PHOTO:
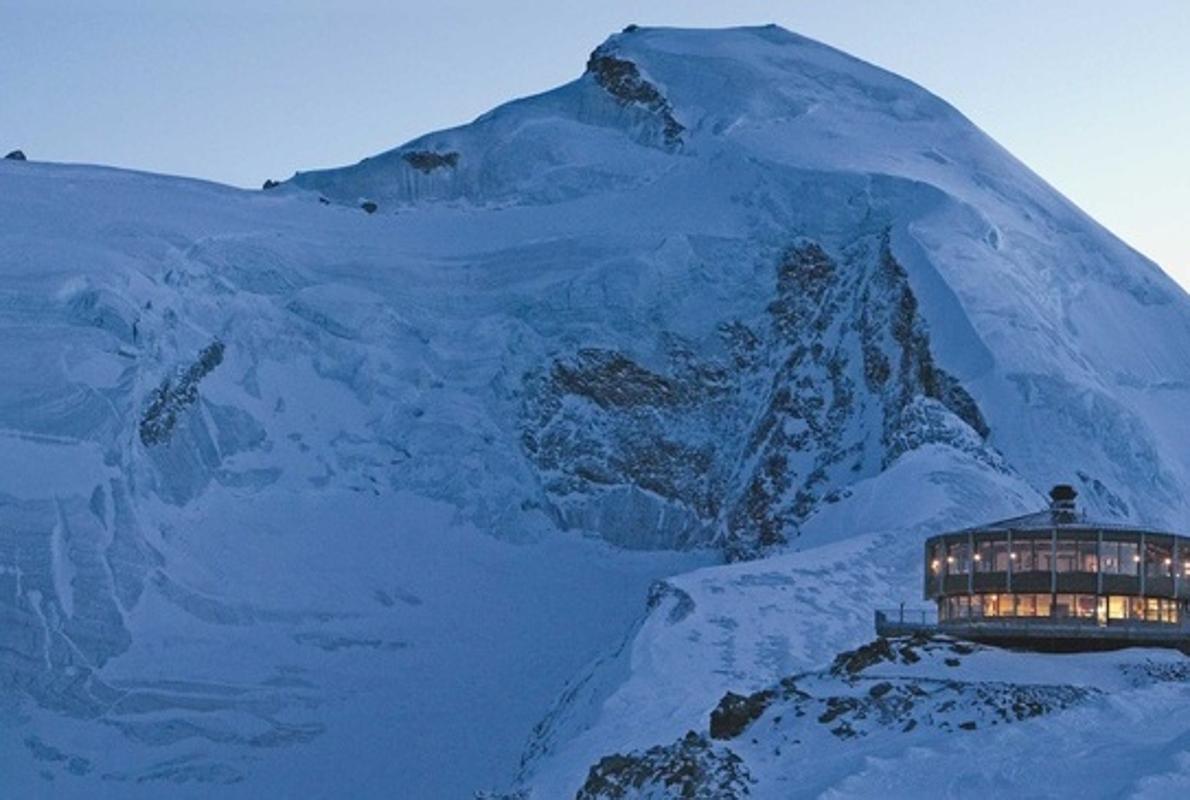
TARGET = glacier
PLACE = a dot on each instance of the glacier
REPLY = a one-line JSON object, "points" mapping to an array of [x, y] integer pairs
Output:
{"points": [[617, 402]]}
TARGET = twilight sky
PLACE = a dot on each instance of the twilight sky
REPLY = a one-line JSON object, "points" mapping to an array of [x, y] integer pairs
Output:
{"points": [[1092, 94]]}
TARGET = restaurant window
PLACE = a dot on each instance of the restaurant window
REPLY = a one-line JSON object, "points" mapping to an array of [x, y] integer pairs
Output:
{"points": [[937, 557], [1169, 611], [1158, 560], [1064, 605], [1026, 605], [976, 606], [1109, 557], [1000, 555], [1043, 555], [1067, 557], [956, 558], [1022, 555], [1129, 558], [1044, 603], [957, 607], [1136, 608], [1085, 605], [985, 556], [1117, 607], [1152, 609], [997, 605], [1088, 556]]}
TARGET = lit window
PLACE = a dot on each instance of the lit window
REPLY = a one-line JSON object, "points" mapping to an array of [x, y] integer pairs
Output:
{"points": [[1026, 605], [1117, 607], [1152, 609], [1136, 608], [1064, 605], [1044, 603]]}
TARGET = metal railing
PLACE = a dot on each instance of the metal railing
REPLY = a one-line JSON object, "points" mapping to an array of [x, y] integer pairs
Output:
{"points": [[905, 621], [909, 616]]}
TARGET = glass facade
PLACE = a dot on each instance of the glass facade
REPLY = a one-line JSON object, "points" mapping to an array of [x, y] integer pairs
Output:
{"points": [[1070, 576], [1067, 606], [1158, 560], [1085, 554]]}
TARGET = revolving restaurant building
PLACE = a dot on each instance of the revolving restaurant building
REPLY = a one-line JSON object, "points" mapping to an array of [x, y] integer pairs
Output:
{"points": [[1058, 581]]}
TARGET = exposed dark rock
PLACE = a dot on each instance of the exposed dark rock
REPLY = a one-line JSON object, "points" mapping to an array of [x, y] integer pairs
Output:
{"points": [[369, 206], [689, 769], [736, 712], [613, 381], [427, 160], [270, 184], [893, 651], [15, 155], [599, 420], [755, 441], [175, 394], [622, 80]]}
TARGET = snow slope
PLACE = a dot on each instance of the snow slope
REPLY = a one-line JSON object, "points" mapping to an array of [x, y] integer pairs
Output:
{"points": [[284, 483]]}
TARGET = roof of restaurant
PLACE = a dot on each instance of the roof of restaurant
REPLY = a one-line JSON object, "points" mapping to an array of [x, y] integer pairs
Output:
{"points": [[1052, 519]]}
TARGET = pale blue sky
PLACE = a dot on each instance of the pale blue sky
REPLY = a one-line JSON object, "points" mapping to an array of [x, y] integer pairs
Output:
{"points": [[1094, 95]]}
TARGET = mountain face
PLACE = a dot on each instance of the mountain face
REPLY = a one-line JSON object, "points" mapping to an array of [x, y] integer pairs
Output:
{"points": [[287, 481]]}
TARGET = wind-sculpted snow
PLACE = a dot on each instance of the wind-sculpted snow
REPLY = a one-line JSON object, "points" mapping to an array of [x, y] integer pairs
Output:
{"points": [[287, 482]]}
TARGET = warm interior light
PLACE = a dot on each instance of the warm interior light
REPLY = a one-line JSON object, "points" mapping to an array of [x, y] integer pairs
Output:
{"points": [[978, 557], [1012, 555], [950, 560], [1136, 558]]}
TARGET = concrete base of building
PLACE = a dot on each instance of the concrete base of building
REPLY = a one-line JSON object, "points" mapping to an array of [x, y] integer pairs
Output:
{"points": [[1049, 635]]}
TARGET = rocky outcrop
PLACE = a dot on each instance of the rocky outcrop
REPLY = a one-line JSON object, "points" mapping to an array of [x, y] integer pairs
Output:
{"points": [[690, 768], [899, 686], [428, 160], [621, 78], [832, 384], [176, 393], [15, 155]]}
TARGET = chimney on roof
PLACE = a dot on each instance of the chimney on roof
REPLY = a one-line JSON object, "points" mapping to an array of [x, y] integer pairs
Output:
{"points": [[1062, 502]]}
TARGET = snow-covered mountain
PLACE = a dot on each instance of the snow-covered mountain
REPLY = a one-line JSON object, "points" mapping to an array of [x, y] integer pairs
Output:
{"points": [[390, 480]]}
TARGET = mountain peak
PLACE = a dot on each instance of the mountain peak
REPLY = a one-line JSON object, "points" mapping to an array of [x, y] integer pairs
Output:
{"points": [[760, 91]]}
